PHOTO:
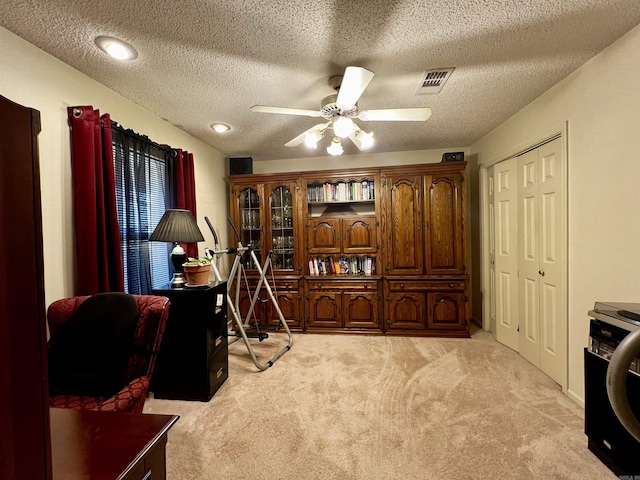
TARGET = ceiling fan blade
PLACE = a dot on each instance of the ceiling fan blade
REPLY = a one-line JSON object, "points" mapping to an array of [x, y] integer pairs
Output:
{"points": [[396, 115], [354, 81], [300, 138], [285, 111]]}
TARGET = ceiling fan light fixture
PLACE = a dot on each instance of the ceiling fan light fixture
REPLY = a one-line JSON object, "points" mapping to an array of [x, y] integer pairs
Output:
{"points": [[116, 48], [311, 139], [343, 126], [366, 139], [336, 147]]}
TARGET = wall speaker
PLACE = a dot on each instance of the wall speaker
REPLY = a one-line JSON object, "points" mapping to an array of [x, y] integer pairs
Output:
{"points": [[453, 157], [240, 165]]}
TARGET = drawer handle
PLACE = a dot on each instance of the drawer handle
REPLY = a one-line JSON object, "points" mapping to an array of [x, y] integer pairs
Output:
{"points": [[219, 373], [402, 285]]}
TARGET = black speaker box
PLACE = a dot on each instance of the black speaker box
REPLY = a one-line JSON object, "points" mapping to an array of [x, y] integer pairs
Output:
{"points": [[453, 157], [240, 165]]}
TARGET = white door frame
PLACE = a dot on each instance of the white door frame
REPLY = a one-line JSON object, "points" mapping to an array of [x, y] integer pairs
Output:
{"points": [[515, 150]]}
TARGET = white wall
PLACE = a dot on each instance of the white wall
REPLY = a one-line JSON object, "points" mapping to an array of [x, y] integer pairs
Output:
{"points": [[600, 103], [32, 78]]}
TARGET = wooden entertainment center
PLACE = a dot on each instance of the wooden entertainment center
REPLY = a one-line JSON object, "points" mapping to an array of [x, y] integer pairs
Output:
{"points": [[372, 251]]}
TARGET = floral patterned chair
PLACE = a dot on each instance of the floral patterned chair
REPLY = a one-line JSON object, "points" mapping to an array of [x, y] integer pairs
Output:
{"points": [[102, 352]]}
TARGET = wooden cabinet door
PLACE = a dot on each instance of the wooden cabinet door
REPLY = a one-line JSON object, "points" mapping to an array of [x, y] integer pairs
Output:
{"points": [[406, 311], [324, 236], [447, 310], [25, 446], [360, 310], [444, 224], [402, 228], [281, 225], [258, 315], [359, 235], [289, 303], [247, 213], [325, 309]]}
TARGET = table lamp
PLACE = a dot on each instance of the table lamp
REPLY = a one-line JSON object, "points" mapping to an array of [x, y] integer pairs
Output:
{"points": [[177, 226]]}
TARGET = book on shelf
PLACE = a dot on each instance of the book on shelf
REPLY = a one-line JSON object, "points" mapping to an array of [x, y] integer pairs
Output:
{"points": [[341, 191], [343, 265]]}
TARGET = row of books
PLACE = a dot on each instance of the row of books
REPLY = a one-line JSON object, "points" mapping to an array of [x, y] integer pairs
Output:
{"points": [[353, 265], [341, 191]]}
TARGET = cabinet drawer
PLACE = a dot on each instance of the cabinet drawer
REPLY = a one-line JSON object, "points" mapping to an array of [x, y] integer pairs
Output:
{"points": [[423, 286], [218, 370], [371, 285], [215, 343], [285, 285]]}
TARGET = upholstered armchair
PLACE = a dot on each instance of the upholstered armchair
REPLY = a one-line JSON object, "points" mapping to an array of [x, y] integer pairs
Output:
{"points": [[102, 352]]}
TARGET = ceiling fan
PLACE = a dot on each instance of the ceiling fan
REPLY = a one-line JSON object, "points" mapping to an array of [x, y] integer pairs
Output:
{"points": [[340, 109]]}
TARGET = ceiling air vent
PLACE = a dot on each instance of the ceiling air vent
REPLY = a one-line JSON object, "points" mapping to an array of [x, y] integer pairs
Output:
{"points": [[434, 80]]}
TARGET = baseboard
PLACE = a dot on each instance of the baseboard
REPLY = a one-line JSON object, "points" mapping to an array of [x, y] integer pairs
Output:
{"points": [[576, 398]]}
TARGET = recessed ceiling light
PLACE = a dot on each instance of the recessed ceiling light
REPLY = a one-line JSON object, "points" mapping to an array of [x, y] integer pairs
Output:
{"points": [[116, 48], [220, 127]]}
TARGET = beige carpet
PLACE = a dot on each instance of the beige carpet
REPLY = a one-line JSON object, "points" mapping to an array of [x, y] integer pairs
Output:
{"points": [[372, 407]]}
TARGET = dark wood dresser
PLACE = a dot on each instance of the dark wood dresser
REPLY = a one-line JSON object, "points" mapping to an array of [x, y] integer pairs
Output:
{"points": [[108, 445]]}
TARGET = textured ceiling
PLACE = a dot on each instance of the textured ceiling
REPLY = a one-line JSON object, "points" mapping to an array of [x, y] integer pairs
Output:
{"points": [[204, 61]]}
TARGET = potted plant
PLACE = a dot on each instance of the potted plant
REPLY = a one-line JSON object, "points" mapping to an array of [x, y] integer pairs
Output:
{"points": [[196, 271]]}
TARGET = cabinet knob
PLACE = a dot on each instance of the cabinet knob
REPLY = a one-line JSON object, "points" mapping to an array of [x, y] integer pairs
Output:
{"points": [[541, 272], [402, 285]]}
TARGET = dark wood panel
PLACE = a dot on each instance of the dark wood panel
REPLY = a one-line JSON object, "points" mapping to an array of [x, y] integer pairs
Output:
{"points": [[24, 413], [403, 229], [107, 445], [444, 226], [406, 311]]}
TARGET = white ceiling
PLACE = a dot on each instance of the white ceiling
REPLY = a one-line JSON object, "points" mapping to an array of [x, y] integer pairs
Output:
{"points": [[205, 61]]}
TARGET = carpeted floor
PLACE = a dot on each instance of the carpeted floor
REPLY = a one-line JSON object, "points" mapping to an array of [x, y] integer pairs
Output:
{"points": [[373, 407]]}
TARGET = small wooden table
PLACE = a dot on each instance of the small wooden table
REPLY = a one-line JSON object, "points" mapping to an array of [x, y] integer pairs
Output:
{"points": [[108, 445]]}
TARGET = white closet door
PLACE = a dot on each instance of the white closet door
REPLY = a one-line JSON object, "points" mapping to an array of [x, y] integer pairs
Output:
{"points": [[506, 252], [541, 246], [528, 238], [492, 252]]}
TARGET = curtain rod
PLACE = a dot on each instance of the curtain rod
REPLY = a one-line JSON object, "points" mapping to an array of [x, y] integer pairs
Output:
{"points": [[127, 131]]}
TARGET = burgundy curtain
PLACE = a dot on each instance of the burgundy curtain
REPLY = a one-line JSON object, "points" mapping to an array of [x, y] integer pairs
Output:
{"points": [[184, 190], [98, 254]]}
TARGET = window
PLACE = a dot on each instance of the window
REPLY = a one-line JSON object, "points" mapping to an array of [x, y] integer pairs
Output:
{"points": [[142, 186]]}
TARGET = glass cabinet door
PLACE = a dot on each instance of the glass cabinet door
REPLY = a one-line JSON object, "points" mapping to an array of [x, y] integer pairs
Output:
{"points": [[249, 209], [282, 232]]}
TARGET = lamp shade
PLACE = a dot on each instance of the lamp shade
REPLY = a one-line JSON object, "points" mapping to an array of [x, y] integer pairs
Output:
{"points": [[177, 226]]}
